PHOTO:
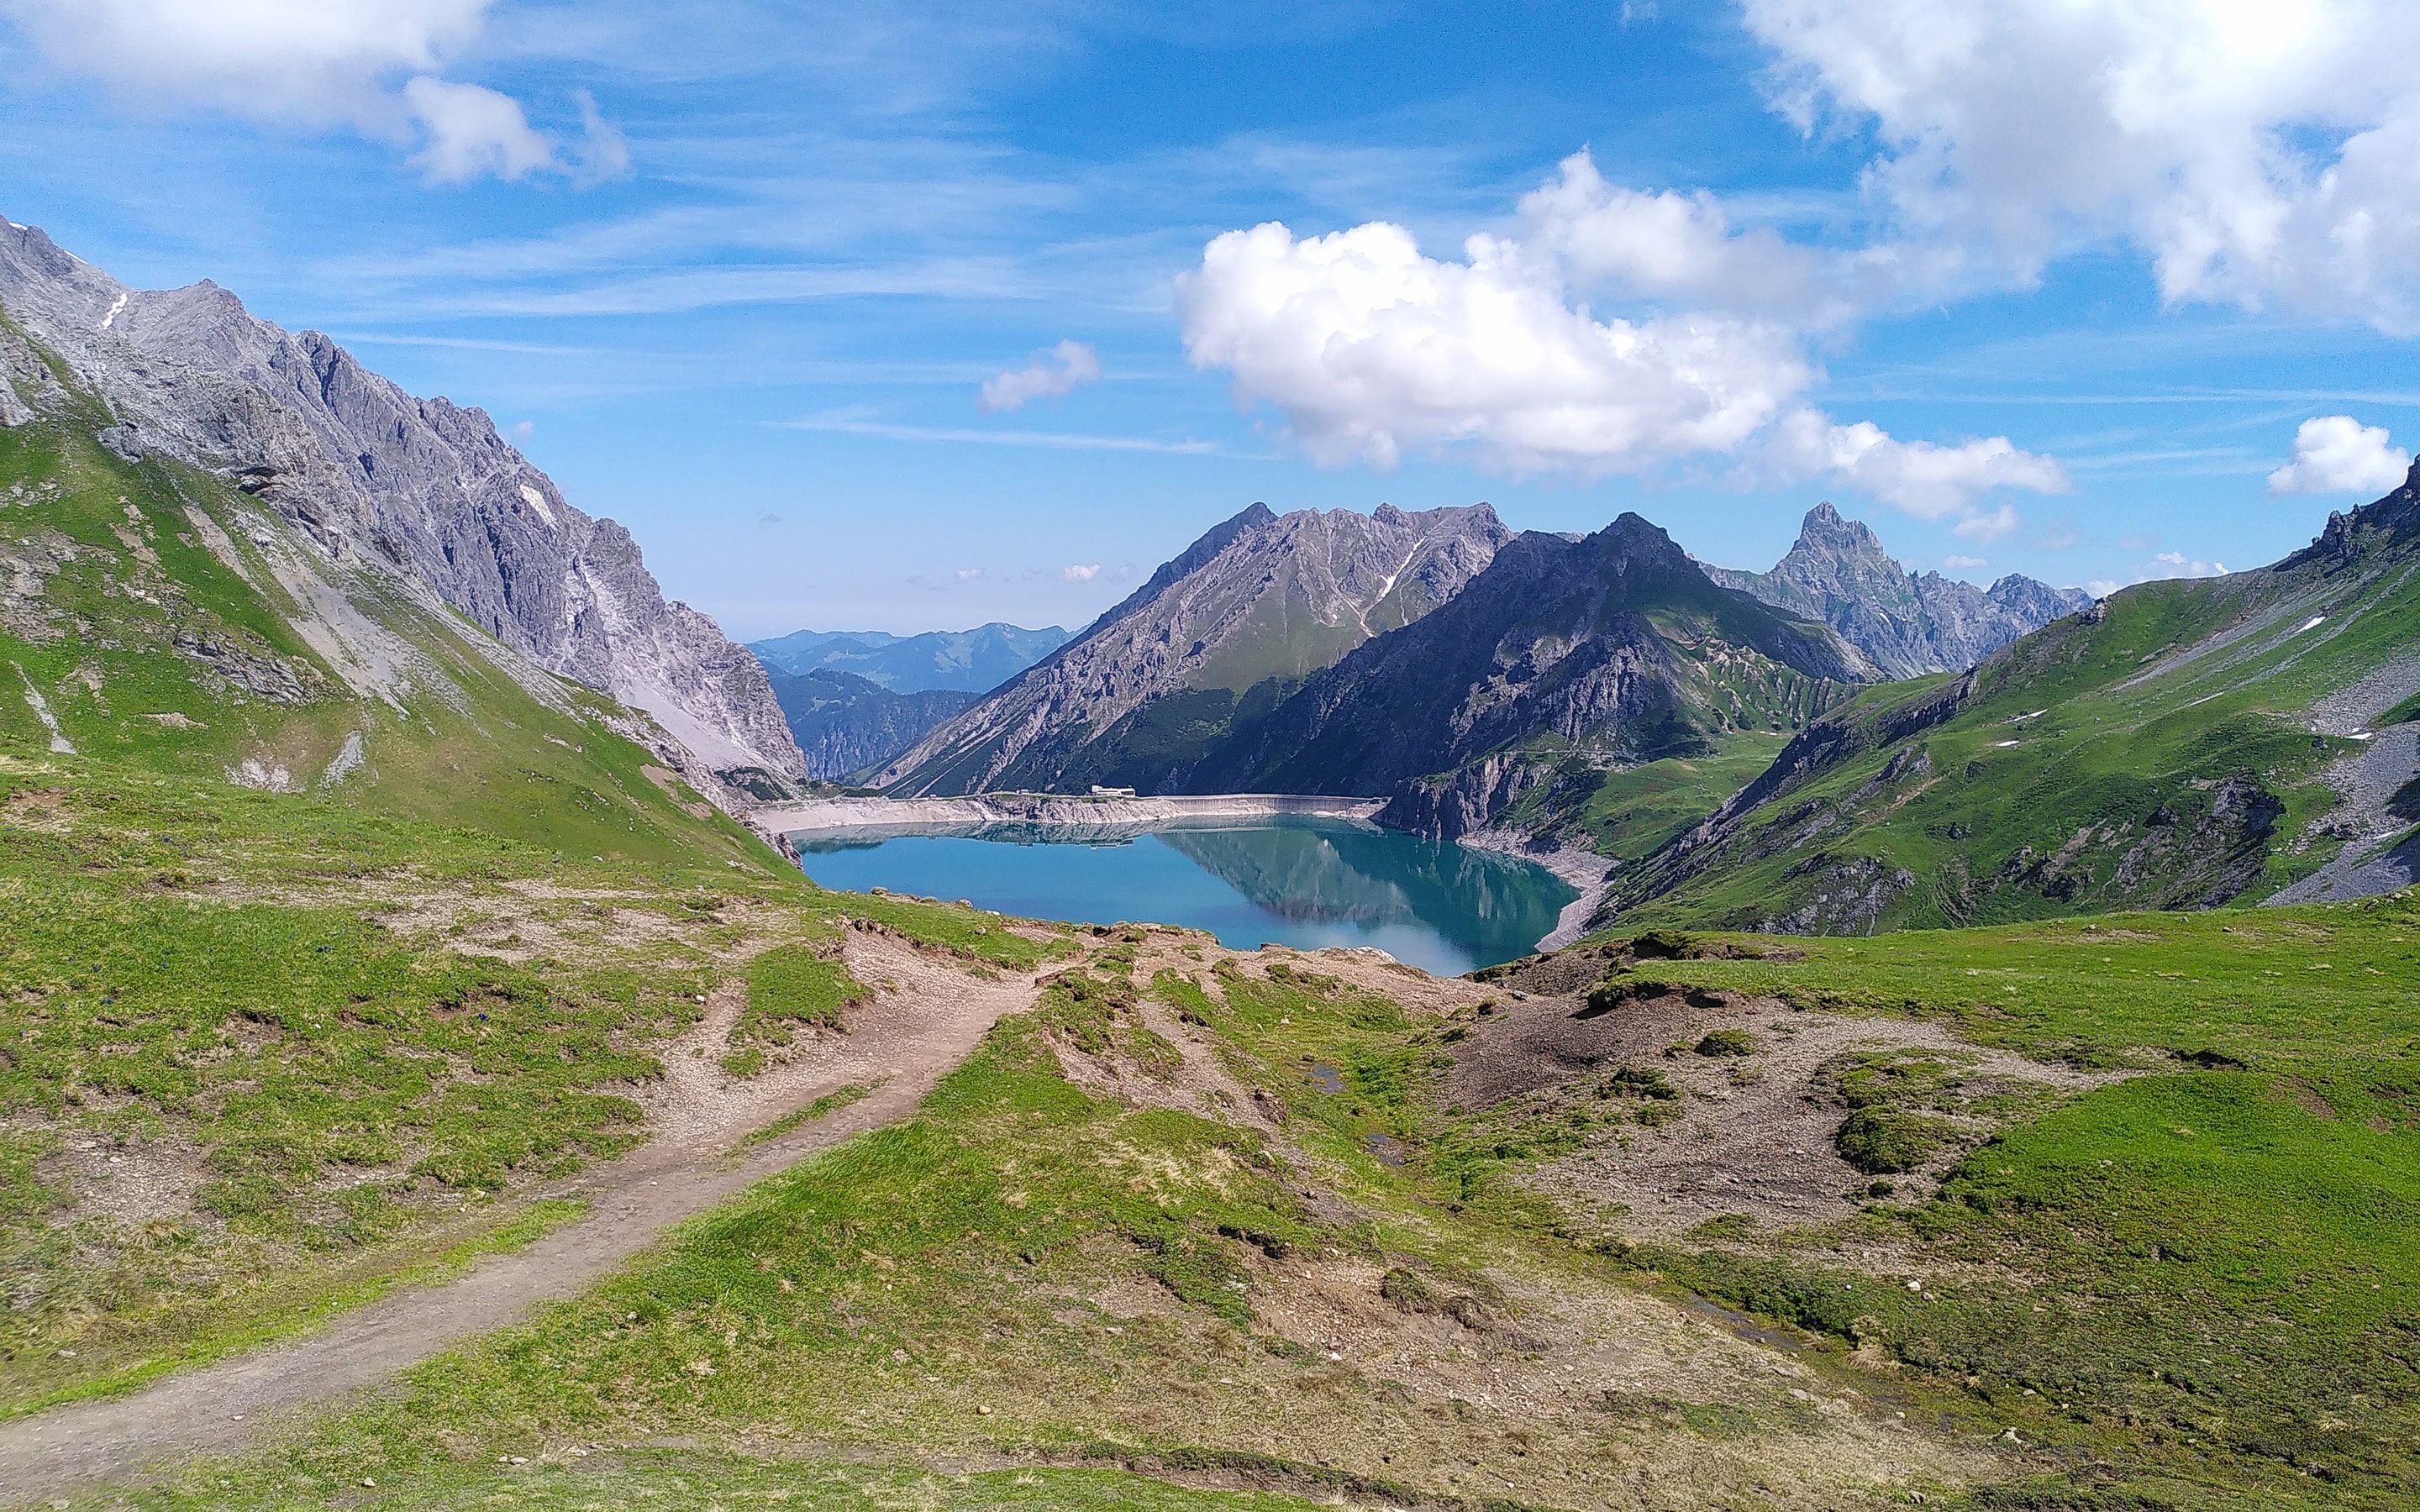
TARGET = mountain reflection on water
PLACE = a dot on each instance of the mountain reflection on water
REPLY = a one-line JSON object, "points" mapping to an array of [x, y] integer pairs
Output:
{"points": [[1306, 883]]}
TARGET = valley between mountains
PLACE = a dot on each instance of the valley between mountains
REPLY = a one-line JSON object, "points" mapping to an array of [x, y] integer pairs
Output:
{"points": [[1987, 1074]]}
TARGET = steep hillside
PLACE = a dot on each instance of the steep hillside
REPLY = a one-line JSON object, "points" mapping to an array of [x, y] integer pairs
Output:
{"points": [[1907, 624], [1564, 661], [845, 723], [970, 661], [152, 613], [364, 480], [1217, 636], [2181, 745]]}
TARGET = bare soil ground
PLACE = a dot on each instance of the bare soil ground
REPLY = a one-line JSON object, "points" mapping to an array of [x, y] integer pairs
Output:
{"points": [[1751, 1134], [900, 1044]]}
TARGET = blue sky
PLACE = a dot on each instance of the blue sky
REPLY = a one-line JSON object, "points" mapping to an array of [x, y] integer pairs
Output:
{"points": [[740, 275]]}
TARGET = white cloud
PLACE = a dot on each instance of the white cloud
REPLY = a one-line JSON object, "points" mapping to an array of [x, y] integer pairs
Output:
{"points": [[2177, 564], [1059, 371], [1370, 348], [1080, 575], [472, 131], [317, 64], [1959, 563], [1928, 481], [2258, 154], [2337, 454], [968, 575], [1670, 245]]}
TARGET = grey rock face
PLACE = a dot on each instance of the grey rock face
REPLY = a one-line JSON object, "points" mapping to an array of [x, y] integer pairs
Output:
{"points": [[380, 480], [1258, 604], [1908, 623], [1605, 647]]}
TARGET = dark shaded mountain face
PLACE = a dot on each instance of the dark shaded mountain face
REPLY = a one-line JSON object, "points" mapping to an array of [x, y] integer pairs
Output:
{"points": [[1907, 624], [2179, 745], [973, 661], [418, 496], [1606, 651], [1217, 638], [845, 723]]}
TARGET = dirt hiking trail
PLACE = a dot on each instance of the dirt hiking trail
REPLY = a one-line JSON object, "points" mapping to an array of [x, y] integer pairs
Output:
{"points": [[927, 1018]]}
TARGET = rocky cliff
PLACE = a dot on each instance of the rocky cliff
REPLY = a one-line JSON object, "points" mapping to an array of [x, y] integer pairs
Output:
{"points": [[418, 492], [1606, 651], [1907, 624], [1217, 636]]}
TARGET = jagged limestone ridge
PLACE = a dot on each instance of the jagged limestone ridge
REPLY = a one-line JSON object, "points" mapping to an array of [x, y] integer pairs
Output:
{"points": [[373, 480], [1259, 603], [1908, 623]]}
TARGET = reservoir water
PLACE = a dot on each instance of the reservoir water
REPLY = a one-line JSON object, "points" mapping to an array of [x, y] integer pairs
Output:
{"points": [[1305, 882]]}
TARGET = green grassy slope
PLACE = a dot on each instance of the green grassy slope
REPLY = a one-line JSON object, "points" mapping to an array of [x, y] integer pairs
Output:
{"points": [[2205, 1275], [2194, 1288], [167, 622], [2158, 752], [270, 1042]]}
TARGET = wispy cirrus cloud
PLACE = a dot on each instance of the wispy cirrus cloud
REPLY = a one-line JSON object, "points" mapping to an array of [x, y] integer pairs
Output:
{"points": [[1050, 439], [373, 66]]}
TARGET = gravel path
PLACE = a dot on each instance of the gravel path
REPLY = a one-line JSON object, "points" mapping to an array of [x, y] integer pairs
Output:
{"points": [[901, 1043]]}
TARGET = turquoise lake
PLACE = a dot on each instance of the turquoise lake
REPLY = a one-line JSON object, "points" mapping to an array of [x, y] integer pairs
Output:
{"points": [[1305, 882]]}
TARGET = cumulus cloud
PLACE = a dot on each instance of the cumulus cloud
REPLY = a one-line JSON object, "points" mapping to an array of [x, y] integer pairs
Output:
{"points": [[2337, 454], [1669, 245], [370, 65], [968, 575], [1054, 372], [1370, 347], [1080, 574], [473, 131], [2257, 154], [1930, 481]]}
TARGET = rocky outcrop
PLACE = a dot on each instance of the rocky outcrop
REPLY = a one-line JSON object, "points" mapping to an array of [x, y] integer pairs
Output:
{"points": [[1609, 649], [1907, 624], [421, 490], [1220, 634]]}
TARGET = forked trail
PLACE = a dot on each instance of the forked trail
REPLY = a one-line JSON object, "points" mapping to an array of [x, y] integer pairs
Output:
{"points": [[899, 1044]]}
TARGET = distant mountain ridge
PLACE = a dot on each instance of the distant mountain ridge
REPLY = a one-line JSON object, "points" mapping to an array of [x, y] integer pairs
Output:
{"points": [[375, 482], [1224, 631], [973, 661], [1907, 624], [847, 724]]}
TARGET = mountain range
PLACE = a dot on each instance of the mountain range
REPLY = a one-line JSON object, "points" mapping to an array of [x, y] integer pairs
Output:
{"points": [[846, 725], [1906, 623], [1215, 638], [970, 661], [1461, 671], [381, 552]]}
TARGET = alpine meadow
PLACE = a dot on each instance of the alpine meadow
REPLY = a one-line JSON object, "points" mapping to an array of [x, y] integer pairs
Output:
{"points": [[1942, 1023]]}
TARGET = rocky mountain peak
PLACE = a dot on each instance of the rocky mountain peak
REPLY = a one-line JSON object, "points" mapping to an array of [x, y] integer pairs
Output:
{"points": [[421, 493], [1838, 573], [1259, 602]]}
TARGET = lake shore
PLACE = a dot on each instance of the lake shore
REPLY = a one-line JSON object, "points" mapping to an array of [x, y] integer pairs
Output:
{"points": [[1590, 873], [816, 815]]}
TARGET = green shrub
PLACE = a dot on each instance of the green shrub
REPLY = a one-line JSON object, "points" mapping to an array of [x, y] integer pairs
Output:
{"points": [[1880, 1140]]}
